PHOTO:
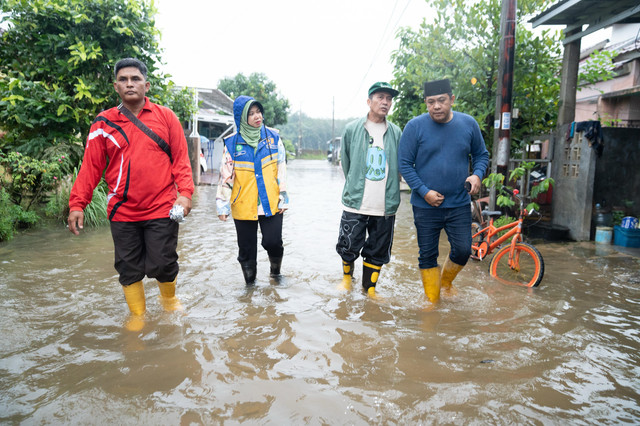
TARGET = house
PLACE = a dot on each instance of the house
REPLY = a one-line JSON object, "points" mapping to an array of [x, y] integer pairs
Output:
{"points": [[615, 102], [214, 120], [595, 167]]}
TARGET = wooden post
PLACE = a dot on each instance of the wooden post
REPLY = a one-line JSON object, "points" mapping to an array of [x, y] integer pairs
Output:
{"points": [[193, 142]]}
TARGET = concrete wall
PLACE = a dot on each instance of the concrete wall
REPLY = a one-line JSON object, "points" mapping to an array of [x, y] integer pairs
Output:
{"points": [[573, 169], [583, 179]]}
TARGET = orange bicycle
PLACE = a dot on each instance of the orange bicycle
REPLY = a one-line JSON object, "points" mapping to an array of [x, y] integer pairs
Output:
{"points": [[517, 263]]}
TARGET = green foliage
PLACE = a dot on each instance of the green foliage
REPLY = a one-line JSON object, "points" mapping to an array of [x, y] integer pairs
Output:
{"points": [[57, 207], [501, 221], [312, 156], [13, 216], [541, 188], [95, 214], [258, 86], [462, 43], [289, 148], [493, 180], [27, 180], [312, 134], [504, 199], [56, 62], [180, 100], [598, 67], [617, 217]]}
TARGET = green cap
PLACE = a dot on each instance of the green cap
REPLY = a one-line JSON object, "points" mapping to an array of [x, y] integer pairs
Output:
{"points": [[382, 86]]}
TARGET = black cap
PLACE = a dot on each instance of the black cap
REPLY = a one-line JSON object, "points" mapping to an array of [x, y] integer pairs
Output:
{"points": [[437, 87]]}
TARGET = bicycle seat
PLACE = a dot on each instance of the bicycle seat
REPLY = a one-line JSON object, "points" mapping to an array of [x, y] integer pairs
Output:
{"points": [[491, 213]]}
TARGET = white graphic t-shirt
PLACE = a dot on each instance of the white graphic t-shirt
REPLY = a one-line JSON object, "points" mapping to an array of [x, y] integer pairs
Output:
{"points": [[375, 183]]}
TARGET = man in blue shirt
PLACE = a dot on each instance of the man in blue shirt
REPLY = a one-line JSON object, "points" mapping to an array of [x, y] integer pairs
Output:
{"points": [[434, 160]]}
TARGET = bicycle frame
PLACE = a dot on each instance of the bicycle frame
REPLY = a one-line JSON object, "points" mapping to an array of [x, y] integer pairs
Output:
{"points": [[518, 263], [486, 246]]}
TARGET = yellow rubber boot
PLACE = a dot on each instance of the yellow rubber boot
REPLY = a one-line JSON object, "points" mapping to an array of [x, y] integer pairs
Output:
{"points": [[347, 276], [431, 283], [449, 272], [370, 275], [168, 298], [371, 292], [134, 295]]}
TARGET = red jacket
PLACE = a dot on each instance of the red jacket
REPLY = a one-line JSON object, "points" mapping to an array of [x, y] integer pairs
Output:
{"points": [[142, 180]]}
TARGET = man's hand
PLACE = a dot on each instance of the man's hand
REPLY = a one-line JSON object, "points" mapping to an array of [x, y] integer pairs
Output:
{"points": [[75, 221], [223, 217], [434, 198], [185, 203], [475, 182]]}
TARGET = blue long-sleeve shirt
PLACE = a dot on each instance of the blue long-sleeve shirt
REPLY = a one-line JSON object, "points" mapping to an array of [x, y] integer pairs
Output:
{"points": [[435, 156]]}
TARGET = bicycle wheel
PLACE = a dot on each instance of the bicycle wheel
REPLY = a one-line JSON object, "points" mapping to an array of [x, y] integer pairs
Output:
{"points": [[475, 241], [525, 269], [475, 228]]}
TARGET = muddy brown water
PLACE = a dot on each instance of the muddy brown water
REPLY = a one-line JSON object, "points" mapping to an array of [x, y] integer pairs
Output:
{"points": [[301, 352]]}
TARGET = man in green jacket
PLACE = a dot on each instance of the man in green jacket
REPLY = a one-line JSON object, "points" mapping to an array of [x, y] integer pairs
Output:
{"points": [[371, 193]]}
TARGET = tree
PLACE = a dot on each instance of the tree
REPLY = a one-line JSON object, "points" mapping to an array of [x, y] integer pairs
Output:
{"points": [[56, 63], [258, 86], [463, 44], [312, 133]]}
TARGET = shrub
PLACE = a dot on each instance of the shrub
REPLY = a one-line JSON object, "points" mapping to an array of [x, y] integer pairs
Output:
{"points": [[12, 217], [95, 214], [26, 180]]}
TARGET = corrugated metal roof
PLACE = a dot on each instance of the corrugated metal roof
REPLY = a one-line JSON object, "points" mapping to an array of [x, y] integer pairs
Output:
{"points": [[597, 14], [214, 99], [214, 106]]}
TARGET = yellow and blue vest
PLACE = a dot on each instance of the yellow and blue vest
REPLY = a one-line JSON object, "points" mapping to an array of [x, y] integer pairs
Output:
{"points": [[256, 175]]}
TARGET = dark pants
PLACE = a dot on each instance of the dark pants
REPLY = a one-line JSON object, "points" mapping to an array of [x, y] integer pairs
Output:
{"points": [[247, 231], [145, 248], [430, 222], [376, 247]]}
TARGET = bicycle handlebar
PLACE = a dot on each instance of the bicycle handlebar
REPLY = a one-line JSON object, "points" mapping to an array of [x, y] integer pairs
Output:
{"points": [[513, 193]]}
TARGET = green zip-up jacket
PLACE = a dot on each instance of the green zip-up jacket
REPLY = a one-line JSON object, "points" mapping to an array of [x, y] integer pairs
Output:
{"points": [[354, 146]]}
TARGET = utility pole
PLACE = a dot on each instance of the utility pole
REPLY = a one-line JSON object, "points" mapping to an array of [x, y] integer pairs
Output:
{"points": [[299, 131], [504, 93], [333, 118], [334, 160]]}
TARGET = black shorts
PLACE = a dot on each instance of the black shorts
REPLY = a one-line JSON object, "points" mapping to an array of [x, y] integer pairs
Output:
{"points": [[368, 236], [145, 248]]}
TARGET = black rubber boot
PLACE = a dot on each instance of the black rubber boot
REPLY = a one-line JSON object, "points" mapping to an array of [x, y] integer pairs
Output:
{"points": [[249, 270], [370, 275], [275, 263]]}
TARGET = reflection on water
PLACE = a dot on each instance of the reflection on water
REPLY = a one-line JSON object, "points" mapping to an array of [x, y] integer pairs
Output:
{"points": [[301, 352]]}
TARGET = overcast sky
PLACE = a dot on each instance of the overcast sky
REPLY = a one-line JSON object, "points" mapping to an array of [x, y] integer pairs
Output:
{"points": [[316, 52]]}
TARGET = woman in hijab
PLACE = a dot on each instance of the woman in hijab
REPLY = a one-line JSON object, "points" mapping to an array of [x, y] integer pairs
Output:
{"points": [[252, 186]]}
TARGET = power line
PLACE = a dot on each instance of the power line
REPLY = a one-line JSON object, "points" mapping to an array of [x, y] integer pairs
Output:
{"points": [[380, 44]]}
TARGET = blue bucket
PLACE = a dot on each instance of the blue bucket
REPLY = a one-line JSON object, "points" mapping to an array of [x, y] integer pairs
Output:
{"points": [[629, 222], [604, 234]]}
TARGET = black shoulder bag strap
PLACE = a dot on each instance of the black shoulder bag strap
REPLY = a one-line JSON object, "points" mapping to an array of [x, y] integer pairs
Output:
{"points": [[147, 131]]}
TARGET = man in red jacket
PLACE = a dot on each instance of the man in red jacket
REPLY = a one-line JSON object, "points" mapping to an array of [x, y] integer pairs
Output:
{"points": [[143, 149]]}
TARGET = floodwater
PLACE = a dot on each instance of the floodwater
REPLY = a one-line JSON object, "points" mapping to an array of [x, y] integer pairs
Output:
{"points": [[301, 352]]}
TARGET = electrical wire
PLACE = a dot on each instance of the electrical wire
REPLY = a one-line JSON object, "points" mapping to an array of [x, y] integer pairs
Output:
{"points": [[378, 48]]}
